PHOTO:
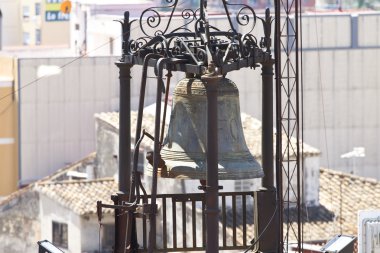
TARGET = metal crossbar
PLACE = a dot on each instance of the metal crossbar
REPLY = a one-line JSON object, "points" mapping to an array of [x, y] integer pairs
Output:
{"points": [[181, 223]]}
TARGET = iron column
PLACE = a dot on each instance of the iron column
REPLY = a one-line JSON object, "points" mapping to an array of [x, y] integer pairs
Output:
{"points": [[125, 127], [124, 153], [212, 187], [267, 127]]}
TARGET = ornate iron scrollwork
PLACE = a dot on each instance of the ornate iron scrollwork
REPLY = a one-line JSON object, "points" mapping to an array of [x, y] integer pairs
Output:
{"points": [[196, 40], [245, 16], [150, 19]]}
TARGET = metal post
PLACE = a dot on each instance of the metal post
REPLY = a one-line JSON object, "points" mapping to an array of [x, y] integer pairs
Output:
{"points": [[267, 128], [267, 106], [125, 127], [212, 187], [266, 206], [124, 66], [266, 210], [279, 178], [120, 221], [124, 153]]}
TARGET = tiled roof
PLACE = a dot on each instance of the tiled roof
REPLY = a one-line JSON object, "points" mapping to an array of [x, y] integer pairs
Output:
{"points": [[344, 195], [80, 196], [341, 195], [251, 127], [61, 173]]}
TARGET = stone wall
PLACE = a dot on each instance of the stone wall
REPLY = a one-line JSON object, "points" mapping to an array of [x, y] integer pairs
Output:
{"points": [[20, 227], [107, 149]]}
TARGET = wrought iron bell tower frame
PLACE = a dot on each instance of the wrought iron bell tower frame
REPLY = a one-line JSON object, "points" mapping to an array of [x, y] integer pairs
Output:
{"points": [[211, 53]]}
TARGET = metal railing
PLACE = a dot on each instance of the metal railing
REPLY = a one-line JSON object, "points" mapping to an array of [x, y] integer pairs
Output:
{"points": [[181, 222]]}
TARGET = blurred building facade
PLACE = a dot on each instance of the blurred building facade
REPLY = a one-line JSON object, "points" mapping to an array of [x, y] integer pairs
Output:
{"points": [[341, 58], [41, 23], [8, 126]]}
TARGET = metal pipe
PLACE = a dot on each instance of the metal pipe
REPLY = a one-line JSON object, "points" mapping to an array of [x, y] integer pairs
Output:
{"points": [[156, 156], [212, 187], [142, 92], [131, 235], [168, 77], [135, 175]]}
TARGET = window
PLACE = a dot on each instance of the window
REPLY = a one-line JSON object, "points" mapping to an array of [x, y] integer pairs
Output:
{"points": [[37, 9], [38, 36], [60, 235], [25, 38], [25, 12]]}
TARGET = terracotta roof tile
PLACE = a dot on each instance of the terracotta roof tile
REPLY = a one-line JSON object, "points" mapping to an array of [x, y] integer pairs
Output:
{"points": [[53, 177], [80, 196], [341, 195]]}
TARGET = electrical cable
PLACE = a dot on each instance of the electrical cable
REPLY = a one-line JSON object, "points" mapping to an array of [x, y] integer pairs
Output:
{"points": [[265, 229], [6, 108], [324, 115], [60, 68], [73, 60]]}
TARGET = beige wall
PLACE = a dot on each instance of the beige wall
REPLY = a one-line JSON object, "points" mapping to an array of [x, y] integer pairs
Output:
{"points": [[54, 32], [31, 23], [16, 25], [8, 128]]}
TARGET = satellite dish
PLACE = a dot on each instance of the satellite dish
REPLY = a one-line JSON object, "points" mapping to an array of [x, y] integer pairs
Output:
{"points": [[66, 6]]}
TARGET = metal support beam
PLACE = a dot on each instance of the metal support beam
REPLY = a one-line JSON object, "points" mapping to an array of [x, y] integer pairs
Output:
{"points": [[124, 153], [212, 187], [125, 127], [266, 206], [267, 127], [120, 222], [266, 221]]}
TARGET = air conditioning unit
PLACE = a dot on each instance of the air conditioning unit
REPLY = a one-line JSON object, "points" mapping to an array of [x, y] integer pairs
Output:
{"points": [[369, 231]]}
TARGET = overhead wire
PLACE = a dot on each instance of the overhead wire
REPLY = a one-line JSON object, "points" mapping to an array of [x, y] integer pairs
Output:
{"points": [[320, 84], [74, 60], [77, 58], [256, 240], [60, 68], [7, 107]]}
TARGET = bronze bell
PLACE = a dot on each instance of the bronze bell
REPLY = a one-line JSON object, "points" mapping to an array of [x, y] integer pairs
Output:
{"points": [[184, 149]]}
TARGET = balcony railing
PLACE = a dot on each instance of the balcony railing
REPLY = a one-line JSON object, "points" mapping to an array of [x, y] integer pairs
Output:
{"points": [[181, 223]]}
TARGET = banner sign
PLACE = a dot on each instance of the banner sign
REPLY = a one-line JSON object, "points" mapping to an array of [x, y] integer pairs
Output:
{"points": [[53, 11]]}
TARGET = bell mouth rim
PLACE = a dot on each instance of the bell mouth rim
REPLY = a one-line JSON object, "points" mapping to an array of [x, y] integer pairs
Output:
{"points": [[169, 154], [187, 170]]}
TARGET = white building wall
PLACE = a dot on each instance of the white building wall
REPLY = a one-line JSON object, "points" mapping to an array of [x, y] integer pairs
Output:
{"points": [[11, 23], [50, 213], [56, 113], [341, 111], [341, 89], [57, 125]]}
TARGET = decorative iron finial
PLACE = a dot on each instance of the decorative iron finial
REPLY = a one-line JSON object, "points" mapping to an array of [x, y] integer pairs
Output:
{"points": [[266, 41]]}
